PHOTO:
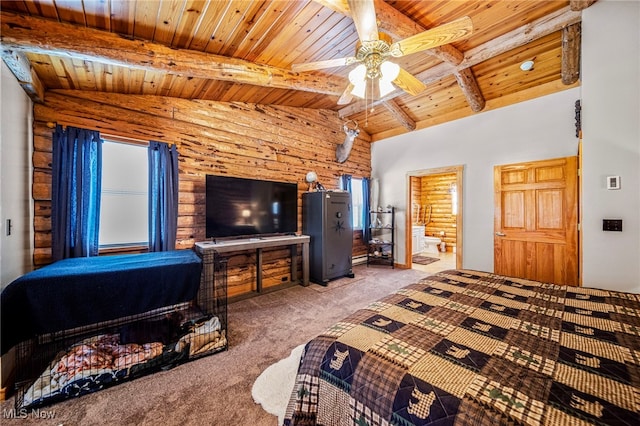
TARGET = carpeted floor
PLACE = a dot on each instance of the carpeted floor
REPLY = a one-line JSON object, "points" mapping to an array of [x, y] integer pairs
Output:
{"points": [[216, 390], [423, 260]]}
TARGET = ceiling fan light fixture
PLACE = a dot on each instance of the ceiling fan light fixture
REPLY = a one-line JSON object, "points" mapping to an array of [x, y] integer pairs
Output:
{"points": [[389, 70], [386, 87], [357, 77], [359, 90]]}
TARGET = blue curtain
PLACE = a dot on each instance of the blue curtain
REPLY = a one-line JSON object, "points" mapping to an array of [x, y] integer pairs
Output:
{"points": [[75, 197], [345, 182], [366, 208], [163, 196]]}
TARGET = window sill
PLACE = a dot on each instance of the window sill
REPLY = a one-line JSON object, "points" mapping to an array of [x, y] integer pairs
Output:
{"points": [[123, 249]]}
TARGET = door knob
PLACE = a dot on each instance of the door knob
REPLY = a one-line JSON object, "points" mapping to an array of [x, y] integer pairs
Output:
{"points": [[500, 234]]}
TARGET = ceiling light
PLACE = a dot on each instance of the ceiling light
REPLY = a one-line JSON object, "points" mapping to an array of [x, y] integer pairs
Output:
{"points": [[526, 66], [389, 70], [385, 87], [357, 77]]}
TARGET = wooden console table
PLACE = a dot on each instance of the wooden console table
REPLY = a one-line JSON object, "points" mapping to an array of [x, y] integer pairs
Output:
{"points": [[257, 244]]}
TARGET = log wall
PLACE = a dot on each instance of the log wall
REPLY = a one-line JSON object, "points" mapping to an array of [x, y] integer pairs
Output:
{"points": [[416, 200], [435, 192], [432, 194], [234, 139]]}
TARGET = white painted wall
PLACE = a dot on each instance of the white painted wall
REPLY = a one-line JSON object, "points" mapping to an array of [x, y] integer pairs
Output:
{"points": [[15, 178], [540, 129], [611, 143], [508, 135]]}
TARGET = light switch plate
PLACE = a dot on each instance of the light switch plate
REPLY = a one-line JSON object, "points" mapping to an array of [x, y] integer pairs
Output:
{"points": [[613, 182]]}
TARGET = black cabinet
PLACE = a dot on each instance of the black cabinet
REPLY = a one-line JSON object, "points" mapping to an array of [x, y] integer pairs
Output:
{"points": [[327, 219], [380, 247]]}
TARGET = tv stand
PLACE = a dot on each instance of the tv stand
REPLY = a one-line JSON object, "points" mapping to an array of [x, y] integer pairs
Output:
{"points": [[257, 244]]}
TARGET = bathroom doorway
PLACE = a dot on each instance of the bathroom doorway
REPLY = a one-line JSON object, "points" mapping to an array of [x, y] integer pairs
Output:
{"points": [[434, 219]]}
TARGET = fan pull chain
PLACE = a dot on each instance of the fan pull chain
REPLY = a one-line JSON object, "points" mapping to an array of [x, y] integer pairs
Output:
{"points": [[368, 97], [366, 109]]}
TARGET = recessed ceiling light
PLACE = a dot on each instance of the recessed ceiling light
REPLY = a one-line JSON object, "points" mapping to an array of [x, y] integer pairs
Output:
{"points": [[526, 66]]}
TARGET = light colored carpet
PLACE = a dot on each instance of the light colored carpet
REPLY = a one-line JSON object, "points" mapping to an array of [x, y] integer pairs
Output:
{"points": [[216, 390], [337, 283], [272, 389]]}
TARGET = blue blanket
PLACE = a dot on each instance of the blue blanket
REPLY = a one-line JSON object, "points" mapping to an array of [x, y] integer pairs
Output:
{"points": [[82, 291]]}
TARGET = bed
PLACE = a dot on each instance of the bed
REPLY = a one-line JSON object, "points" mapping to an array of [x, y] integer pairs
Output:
{"points": [[473, 348], [80, 291], [80, 325]]}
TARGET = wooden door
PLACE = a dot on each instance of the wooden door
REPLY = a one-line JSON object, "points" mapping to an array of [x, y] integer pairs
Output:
{"points": [[536, 220]]}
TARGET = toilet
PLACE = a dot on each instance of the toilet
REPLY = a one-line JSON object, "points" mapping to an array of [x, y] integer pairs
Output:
{"points": [[431, 244]]}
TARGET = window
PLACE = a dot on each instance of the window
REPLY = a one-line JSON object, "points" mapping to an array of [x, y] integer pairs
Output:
{"points": [[356, 202], [124, 201]]}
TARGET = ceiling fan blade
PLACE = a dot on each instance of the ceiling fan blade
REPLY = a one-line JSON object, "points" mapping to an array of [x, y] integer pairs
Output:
{"points": [[346, 97], [409, 83], [319, 65], [442, 34], [363, 13]]}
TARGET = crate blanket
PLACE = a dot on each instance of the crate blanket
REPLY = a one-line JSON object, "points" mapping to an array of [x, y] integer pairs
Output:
{"points": [[81, 291], [467, 347], [104, 360]]}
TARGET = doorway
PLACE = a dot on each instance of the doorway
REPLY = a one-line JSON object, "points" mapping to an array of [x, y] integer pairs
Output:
{"points": [[536, 220], [434, 207]]}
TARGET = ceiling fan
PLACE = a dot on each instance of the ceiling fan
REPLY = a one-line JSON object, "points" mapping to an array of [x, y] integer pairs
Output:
{"points": [[375, 48]]}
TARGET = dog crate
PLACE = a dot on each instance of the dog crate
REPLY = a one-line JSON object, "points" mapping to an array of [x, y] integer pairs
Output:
{"points": [[68, 363]]}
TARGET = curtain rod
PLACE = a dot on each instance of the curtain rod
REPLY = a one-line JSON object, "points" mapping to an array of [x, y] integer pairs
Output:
{"points": [[123, 139]]}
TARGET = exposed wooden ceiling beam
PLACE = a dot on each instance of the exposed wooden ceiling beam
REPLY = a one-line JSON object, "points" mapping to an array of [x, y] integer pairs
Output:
{"points": [[36, 35], [511, 40], [467, 81], [578, 5], [571, 37], [401, 27], [26, 76], [399, 114]]}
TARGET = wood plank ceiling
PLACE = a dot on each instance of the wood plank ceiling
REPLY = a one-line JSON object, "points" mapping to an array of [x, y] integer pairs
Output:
{"points": [[242, 51]]}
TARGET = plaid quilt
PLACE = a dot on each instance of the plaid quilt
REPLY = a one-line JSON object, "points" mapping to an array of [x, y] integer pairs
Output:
{"points": [[466, 347]]}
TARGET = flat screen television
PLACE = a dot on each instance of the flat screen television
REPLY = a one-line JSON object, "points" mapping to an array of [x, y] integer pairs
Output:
{"points": [[238, 207]]}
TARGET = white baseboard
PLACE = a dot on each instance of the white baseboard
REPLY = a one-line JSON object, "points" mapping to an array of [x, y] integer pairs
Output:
{"points": [[359, 260]]}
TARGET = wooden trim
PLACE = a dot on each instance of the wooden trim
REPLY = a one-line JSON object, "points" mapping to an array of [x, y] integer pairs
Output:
{"points": [[459, 171], [121, 139], [6, 392], [459, 221], [123, 249], [580, 232]]}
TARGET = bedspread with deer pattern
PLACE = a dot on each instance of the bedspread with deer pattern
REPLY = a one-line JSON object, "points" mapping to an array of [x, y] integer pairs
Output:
{"points": [[466, 347]]}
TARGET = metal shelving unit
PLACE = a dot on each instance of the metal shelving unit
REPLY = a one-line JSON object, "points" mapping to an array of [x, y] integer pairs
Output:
{"points": [[381, 245]]}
